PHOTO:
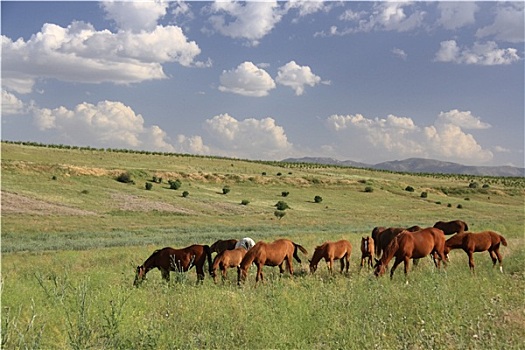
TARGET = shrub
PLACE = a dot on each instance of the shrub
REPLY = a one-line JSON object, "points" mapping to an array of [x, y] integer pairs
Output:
{"points": [[473, 185], [54, 177], [157, 179], [185, 194], [225, 190], [285, 193], [362, 181], [438, 202], [424, 194], [369, 189], [279, 214], [282, 205], [467, 198], [485, 186], [149, 186], [175, 185], [279, 174], [263, 173], [449, 205], [125, 177], [84, 191], [318, 199], [409, 189], [245, 202], [459, 206]]}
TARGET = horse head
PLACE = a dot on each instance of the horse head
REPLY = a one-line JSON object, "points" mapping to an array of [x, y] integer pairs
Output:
{"points": [[379, 268], [313, 267], [139, 275]]}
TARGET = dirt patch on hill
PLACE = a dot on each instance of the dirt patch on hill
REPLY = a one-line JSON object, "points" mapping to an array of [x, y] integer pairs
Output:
{"points": [[128, 202], [14, 203]]}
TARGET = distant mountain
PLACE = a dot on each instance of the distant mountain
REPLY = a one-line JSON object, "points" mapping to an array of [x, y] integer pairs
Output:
{"points": [[419, 165]]}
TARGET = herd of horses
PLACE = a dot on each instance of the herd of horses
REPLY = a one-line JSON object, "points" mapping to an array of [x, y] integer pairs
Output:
{"points": [[400, 244]]}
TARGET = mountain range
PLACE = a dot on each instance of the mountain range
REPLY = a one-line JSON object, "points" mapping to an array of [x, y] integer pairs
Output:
{"points": [[419, 165]]}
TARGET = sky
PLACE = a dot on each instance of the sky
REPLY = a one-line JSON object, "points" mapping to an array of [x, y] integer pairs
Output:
{"points": [[362, 81]]}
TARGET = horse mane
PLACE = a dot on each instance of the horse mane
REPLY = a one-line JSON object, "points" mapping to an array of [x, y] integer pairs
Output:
{"points": [[391, 249]]}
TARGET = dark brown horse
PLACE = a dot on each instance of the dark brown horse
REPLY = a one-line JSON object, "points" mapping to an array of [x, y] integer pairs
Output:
{"points": [[411, 245], [477, 242], [367, 251], [330, 251], [451, 227], [222, 245], [376, 231], [270, 254], [225, 260], [169, 259], [385, 237]]}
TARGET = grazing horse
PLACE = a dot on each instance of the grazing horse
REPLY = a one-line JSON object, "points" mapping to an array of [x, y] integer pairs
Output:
{"points": [[376, 232], [452, 227], [169, 259], [270, 254], [367, 251], [477, 242], [246, 243], [330, 251], [222, 245], [227, 259], [411, 245], [385, 237]]}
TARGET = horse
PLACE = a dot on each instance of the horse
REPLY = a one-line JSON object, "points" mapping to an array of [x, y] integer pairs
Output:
{"points": [[411, 245], [227, 259], [384, 237], [477, 242], [246, 243], [275, 253], [168, 259], [452, 227], [222, 245], [367, 251], [376, 231], [330, 251]]}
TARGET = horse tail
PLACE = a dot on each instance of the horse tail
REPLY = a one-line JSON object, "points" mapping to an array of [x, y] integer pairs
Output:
{"points": [[503, 240], [301, 248], [207, 250]]}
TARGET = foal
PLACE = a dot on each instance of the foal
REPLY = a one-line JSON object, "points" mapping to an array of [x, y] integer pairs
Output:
{"points": [[367, 251]]}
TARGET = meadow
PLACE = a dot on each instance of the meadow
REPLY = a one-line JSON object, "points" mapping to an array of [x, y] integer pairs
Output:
{"points": [[72, 236]]}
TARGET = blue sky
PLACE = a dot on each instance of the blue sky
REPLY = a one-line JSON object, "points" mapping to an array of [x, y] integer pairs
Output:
{"points": [[362, 81]]}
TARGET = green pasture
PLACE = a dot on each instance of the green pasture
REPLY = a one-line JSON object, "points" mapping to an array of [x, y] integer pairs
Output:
{"points": [[72, 236]]}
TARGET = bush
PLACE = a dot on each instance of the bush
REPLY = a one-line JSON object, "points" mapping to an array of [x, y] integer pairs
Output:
{"points": [[175, 185], [318, 199], [473, 185], [285, 193], [185, 194], [245, 202], [279, 174], [449, 205], [424, 194], [409, 189], [459, 206], [54, 177], [369, 189], [282, 205], [485, 186], [125, 178], [149, 186], [279, 214], [225, 190], [263, 173]]}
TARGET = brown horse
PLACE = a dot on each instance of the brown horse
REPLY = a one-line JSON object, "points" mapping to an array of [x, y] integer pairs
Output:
{"points": [[477, 242], [367, 251], [411, 245], [330, 251], [385, 237], [270, 254], [376, 232], [452, 227], [222, 245], [227, 259], [169, 259]]}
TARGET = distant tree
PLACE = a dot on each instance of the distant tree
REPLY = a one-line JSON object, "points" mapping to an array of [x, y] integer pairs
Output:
{"points": [[279, 214], [174, 184], [409, 189], [149, 186], [285, 193], [225, 190], [282, 205], [424, 194], [318, 199], [185, 194]]}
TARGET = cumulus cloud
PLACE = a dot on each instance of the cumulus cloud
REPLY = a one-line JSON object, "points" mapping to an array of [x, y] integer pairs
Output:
{"points": [[245, 20], [192, 145], [486, 54], [79, 53], [249, 138], [296, 77], [248, 80], [106, 124], [401, 137], [454, 15], [508, 24], [11, 105], [135, 15], [399, 53]]}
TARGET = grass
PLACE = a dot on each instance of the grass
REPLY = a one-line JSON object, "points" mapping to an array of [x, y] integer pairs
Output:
{"points": [[70, 246]]}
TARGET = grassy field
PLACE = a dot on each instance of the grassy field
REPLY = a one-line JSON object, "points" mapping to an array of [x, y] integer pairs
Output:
{"points": [[72, 236]]}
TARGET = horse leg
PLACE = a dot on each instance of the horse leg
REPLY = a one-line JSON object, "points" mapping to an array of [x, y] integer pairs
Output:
{"points": [[224, 274], [407, 263], [396, 263], [346, 262], [165, 274], [500, 259], [471, 260], [259, 275]]}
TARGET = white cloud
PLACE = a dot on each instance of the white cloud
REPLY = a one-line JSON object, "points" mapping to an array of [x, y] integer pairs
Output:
{"points": [[248, 80], [508, 24], [192, 144], [486, 54], [392, 16], [454, 15], [399, 53], [79, 53], [106, 124], [245, 20], [296, 77], [11, 105], [135, 15], [249, 138], [307, 7], [396, 137]]}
